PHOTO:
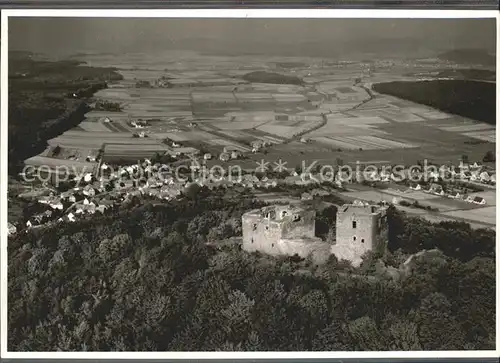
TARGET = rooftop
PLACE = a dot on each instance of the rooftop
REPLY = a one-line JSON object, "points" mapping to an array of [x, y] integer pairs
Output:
{"points": [[360, 206]]}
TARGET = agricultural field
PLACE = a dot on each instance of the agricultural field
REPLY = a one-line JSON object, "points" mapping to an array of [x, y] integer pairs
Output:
{"points": [[56, 164], [484, 215], [131, 152], [479, 216], [365, 142], [235, 101]]}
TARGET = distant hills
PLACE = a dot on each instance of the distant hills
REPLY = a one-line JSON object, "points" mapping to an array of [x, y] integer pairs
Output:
{"points": [[469, 56]]}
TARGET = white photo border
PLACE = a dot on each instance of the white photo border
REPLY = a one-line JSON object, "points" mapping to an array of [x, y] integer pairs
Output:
{"points": [[216, 13]]}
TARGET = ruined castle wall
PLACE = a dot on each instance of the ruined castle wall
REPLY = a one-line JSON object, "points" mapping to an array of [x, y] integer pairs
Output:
{"points": [[260, 235], [382, 235], [298, 225], [316, 248], [247, 222], [283, 208]]}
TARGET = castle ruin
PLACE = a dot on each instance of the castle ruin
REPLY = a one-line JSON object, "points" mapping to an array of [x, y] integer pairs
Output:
{"points": [[360, 228], [290, 230], [282, 230]]}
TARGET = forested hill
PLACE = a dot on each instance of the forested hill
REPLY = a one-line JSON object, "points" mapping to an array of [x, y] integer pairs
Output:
{"points": [[47, 98], [469, 57], [467, 98], [143, 279]]}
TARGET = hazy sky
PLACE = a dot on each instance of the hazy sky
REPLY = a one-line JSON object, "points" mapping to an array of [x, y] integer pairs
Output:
{"points": [[291, 36]]}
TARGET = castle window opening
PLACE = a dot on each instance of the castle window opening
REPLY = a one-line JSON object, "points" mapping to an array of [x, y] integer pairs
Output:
{"points": [[296, 218], [353, 224], [283, 214], [267, 228], [255, 226], [252, 240], [354, 238], [362, 240]]}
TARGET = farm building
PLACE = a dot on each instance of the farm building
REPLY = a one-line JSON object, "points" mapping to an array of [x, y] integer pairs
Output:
{"points": [[186, 151], [306, 196], [224, 156], [235, 154], [11, 229], [484, 176], [435, 189], [415, 186], [476, 200]]}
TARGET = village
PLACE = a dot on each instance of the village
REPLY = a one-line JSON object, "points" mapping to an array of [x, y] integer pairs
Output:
{"points": [[101, 192], [234, 114]]}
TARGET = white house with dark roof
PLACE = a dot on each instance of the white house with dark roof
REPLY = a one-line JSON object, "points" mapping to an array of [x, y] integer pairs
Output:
{"points": [[415, 186], [476, 200], [455, 195], [56, 205], [479, 200], [435, 189], [484, 176]]}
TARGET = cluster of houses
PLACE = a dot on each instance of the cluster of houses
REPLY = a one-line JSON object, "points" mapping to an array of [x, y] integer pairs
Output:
{"points": [[475, 172], [437, 189], [139, 124], [229, 153], [471, 172], [92, 195], [113, 187]]}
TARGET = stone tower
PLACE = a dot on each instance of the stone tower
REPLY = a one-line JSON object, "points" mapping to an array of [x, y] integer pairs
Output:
{"points": [[360, 228]]}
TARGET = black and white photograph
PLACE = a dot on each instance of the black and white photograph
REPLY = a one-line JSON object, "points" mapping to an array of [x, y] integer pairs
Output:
{"points": [[205, 184]]}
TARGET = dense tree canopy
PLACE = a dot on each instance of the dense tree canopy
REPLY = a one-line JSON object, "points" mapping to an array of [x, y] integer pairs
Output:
{"points": [[144, 279]]}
